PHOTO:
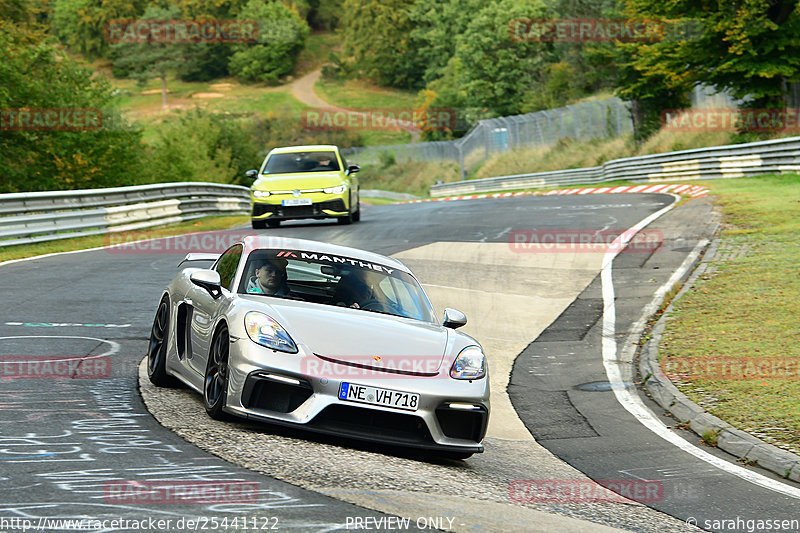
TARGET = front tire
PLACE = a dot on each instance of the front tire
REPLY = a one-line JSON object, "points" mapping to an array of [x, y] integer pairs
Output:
{"points": [[347, 219], [357, 214], [259, 224], [157, 348], [273, 223], [215, 387]]}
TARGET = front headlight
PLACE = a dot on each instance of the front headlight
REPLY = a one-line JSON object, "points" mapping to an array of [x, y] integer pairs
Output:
{"points": [[470, 364], [335, 190], [264, 331], [260, 194]]}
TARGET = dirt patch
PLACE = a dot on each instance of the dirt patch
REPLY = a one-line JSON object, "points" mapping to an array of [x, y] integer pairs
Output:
{"points": [[208, 95]]}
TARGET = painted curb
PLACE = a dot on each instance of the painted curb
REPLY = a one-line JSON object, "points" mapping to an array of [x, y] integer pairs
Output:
{"points": [[745, 447], [695, 191]]}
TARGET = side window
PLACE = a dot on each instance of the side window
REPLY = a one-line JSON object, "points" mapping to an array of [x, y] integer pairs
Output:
{"points": [[226, 265]]}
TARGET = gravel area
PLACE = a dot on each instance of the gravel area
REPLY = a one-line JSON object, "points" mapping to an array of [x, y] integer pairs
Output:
{"points": [[402, 482]]}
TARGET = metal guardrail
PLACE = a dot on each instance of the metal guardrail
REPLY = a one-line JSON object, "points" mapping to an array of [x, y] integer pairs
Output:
{"points": [[730, 161], [391, 195], [46, 216]]}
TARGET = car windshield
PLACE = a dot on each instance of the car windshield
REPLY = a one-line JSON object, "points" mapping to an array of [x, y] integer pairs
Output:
{"points": [[286, 163], [336, 281]]}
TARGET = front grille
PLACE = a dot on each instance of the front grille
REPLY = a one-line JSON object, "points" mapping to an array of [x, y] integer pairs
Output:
{"points": [[298, 211], [264, 393], [357, 421], [461, 424]]}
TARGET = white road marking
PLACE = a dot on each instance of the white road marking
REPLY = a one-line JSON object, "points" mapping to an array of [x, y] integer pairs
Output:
{"points": [[629, 399], [114, 346]]}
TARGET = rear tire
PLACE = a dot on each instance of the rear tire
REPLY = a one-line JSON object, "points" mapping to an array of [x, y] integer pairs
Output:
{"points": [[157, 349]]}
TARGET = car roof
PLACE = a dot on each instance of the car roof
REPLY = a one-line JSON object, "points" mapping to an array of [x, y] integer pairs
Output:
{"points": [[307, 148], [268, 242]]}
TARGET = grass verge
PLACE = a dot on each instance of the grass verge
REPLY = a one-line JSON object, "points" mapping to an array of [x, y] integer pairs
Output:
{"points": [[565, 154], [21, 251], [414, 177], [734, 333], [360, 94]]}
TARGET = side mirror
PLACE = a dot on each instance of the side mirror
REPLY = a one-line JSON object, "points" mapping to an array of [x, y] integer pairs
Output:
{"points": [[208, 280], [352, 169], [453, 318], [252, 174]]}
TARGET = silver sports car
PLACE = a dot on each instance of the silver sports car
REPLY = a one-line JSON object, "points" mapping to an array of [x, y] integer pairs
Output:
{"points": [[324, 337]]}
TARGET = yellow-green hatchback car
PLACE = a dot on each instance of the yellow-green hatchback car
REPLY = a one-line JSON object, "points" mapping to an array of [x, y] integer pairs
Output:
{"points": [[297, 182]]}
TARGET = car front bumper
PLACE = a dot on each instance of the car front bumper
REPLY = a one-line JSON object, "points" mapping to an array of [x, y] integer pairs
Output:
{"points": [[276, 387], [322, 206]]}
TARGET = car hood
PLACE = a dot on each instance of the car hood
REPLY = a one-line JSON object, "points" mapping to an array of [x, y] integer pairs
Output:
{"points": [[364, 338], [301, 180]]}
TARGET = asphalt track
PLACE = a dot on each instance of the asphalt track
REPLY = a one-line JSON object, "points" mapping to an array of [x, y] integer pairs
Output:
{"points": [[98, 303]]}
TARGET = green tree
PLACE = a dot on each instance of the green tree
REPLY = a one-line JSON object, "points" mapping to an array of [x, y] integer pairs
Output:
{"points": [[557, 90], [206, 61], [81, 24], [651, 92], [24, 11], [324, 14], [750, 47], [497, 69], [436, 26], [376, 37], [148, 60], [36, 74], [281, 37]]}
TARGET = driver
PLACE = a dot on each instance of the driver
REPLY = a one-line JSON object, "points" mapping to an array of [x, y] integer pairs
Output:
{"points": [[270, 278]]}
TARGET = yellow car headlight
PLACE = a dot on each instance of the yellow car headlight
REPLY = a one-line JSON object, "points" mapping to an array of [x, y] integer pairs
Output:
{"points": [[260, 194], [335, 190]]}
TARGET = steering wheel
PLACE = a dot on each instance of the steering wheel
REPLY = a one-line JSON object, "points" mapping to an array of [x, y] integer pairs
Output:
{"points": [[387, 306]]}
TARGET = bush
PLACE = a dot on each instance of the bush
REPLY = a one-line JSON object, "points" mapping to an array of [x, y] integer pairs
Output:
{"points": [[200, 145]]}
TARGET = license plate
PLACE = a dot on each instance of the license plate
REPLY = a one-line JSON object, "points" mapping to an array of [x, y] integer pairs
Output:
{"points": [[297, 201], [376, 396]]}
